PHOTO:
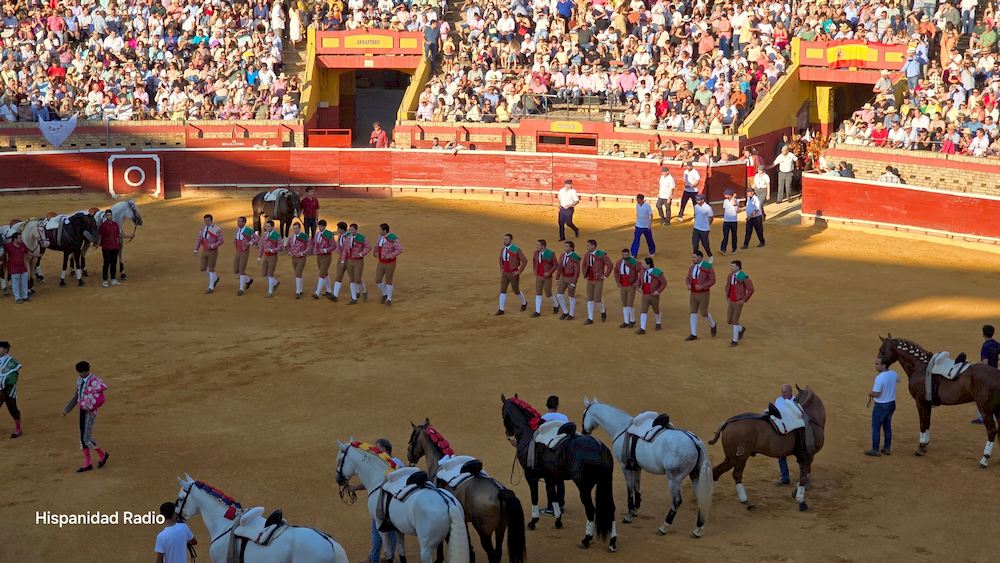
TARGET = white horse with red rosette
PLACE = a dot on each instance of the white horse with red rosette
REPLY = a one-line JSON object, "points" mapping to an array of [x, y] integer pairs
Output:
{"points": [[245, 536]]}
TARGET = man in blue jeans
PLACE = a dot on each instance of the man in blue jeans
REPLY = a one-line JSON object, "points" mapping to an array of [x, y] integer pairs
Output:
{"points": [[988, 355], [375, 554], [884, 393], [643, 224], [786, 395]]}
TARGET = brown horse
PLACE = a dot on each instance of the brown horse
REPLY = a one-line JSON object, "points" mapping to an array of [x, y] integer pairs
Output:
{"points": [[491, 508], [749, 434], [980, 384]]}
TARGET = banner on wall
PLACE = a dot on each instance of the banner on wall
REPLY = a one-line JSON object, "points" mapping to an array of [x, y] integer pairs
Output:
{"points": [[56, 132]]}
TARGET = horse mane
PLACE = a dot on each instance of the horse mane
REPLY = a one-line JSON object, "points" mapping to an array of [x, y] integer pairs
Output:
{"points": [[910, 347], [219, 495], [438, 440], [377, 452], [534, 418]]}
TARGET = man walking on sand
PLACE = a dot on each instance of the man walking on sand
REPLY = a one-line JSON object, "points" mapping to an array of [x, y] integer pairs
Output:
{"points": [[545, 267], [596, 268], [699, 281], [643, 226], [568, 200], [739, 289], [208, 243], [89, 397], [665, 195]]}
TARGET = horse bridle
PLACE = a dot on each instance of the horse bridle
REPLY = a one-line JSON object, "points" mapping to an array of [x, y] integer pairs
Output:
{"points": [[583, 420], [179, 512]]}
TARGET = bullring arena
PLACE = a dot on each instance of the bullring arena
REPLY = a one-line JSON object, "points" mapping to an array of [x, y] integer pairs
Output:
{"points": [[252, 394]]}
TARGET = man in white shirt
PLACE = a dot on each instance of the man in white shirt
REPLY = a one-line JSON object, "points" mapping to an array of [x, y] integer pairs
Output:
{"points": [[692, 181], [172, 542], [754, 219], [702, 225], [786, 172], [665, 195], [889, 177], [555, 491], [730, 209], [762, 186], [784, 402], [568, 200], [643, 225], [884, 393]]}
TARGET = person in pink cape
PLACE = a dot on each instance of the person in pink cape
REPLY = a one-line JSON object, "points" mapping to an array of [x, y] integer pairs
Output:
{"points": [[89, 397]]}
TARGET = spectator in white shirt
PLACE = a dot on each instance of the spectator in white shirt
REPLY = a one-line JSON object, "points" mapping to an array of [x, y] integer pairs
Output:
{"points": [[897, 136], [665, 195], [889, 177], [786, 172], [979, 144], [884, 393], [568, 200], [762, 185], [643, 225], [754, 219], [692, 181], [730, 209], [555, 491], [702, 225]]}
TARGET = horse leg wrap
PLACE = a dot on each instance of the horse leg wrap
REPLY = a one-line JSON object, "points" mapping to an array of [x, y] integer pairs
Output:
{"points": [[670, 517], [589, 529], [556, 510], [79, 273], [741, 493], [62, 275], [925, 438], [800, 494], [988, 450], [534, 512]]}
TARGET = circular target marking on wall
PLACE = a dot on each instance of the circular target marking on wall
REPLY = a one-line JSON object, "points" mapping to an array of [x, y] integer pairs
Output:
{"points": [[132, 171]]}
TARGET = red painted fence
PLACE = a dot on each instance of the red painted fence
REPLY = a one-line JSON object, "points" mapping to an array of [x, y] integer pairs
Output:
{"points": [[901, 207]]}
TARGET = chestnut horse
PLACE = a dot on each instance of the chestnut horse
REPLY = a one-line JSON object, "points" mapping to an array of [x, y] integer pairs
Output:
{"points": [[980, 384], [749, 434]]}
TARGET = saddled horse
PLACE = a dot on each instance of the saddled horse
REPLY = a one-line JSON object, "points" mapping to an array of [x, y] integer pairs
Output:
{"points": [[69, 235], [672, 452], [492, 508], [226, 521], [583, 459], [749, 434], [285, 208], [433, 515], [980, 384]]}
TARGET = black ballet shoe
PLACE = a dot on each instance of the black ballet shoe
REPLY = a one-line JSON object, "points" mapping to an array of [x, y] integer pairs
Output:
{"points": [[497, 314], [84, 469], [524, 307], [535, 315], [103, 461], [604, 317], [641, 331], [588, 322], [715, 329], [691, 337]]}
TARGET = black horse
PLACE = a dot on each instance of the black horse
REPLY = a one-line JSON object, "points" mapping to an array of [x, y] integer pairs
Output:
{"points": [[70, 238], [284, 209], [583, 459]]}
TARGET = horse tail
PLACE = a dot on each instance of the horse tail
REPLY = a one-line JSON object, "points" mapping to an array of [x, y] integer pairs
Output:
{"points": [[605, 516], [719, 431], [458, 535], [704, 485], [514, 515]]}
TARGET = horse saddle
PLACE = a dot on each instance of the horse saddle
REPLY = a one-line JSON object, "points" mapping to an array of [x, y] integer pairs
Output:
{"points": [[273, 195], [458, 469], [55, 222], [550, 434], [942, 364], [261, 531], [787, 418], [399, 485], [648, 425]]}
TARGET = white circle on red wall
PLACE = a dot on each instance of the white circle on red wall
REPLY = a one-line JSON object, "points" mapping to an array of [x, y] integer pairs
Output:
{"points": [[127, 176]]}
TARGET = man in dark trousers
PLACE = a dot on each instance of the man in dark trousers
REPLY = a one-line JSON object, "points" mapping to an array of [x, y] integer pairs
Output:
{"points": [[754, 219], [988, 355], [568, 200], [310, 212], [10, 370]]}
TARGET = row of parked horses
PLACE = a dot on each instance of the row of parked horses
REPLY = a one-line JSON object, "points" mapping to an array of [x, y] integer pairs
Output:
{"points": [[72, 234], [436, 505]]}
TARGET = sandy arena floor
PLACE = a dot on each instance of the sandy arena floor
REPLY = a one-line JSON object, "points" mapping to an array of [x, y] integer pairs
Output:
{"points": [[251, 394]]}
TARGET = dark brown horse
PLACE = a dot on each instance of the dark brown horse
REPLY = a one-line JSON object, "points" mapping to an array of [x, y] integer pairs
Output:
{"points": [[979, 384], [491, 508], [749, 434], [285, 209]]}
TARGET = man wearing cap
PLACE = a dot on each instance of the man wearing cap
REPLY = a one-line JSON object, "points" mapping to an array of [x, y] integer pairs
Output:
{"points": [[643, 226], [512, 263], [208, 243], [627, 278], [545, 267], [323, 246], [739, 289], [703, 217], [568, 200], [754, 219], [567, 274], [730, 209], [596, 268], [245, 238], [387, 250], [10, 371], [652, 283], [665, 195], [692, 181], [785, 162], [699, 281], [356, 251]]}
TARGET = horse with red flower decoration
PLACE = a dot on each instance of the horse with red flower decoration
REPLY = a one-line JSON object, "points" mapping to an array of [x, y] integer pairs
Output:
{"points": [[492, 508], [401, 500], [245, 536]]}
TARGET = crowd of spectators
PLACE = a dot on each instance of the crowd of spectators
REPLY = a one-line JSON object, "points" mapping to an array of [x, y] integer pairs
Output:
{"points": [[147, 59], [951, 100]]}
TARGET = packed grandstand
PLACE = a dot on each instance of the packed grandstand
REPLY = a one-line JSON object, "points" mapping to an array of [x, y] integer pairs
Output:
{"points": [[674, 66]]}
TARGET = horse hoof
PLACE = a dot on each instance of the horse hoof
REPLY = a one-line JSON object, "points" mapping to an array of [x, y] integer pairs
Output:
{"points": [[86, 274], [803, 507], [919, 453], [585, 542], [532, 523], [80, 283], [62, 283], [123, 277], [613, 548], [696, 535], [559, 523], [661, 532], [627, 520], [402, 559]]}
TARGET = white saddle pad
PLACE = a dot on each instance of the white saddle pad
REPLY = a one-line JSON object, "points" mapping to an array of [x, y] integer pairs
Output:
{"points": [[450, 470], [252, 526], [548, 434], [273, 194], [791, 418], [642, 424], [395, 481], [53, 223], [943, 365]]}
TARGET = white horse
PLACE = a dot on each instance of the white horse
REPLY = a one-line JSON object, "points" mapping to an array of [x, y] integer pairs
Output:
{"points": [[433, 515], [675, 453], [221, 515]]}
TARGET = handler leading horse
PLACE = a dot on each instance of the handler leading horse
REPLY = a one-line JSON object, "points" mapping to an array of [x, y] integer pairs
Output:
{"points": [[749, 434], [284, 209], [980, 384]]}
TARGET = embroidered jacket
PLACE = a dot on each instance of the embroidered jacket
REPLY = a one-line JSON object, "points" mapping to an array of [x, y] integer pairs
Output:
{"points": [[388, 248], [545, 263], [245, 238], [358, 249], [209, 238], [596, 265], [700, 277], [89, 394], [10, 370], [298, 246], [324, 243], [512, 259], [652, 281], [270, 244], [627, 272], [739, 287], [569, 266]]}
